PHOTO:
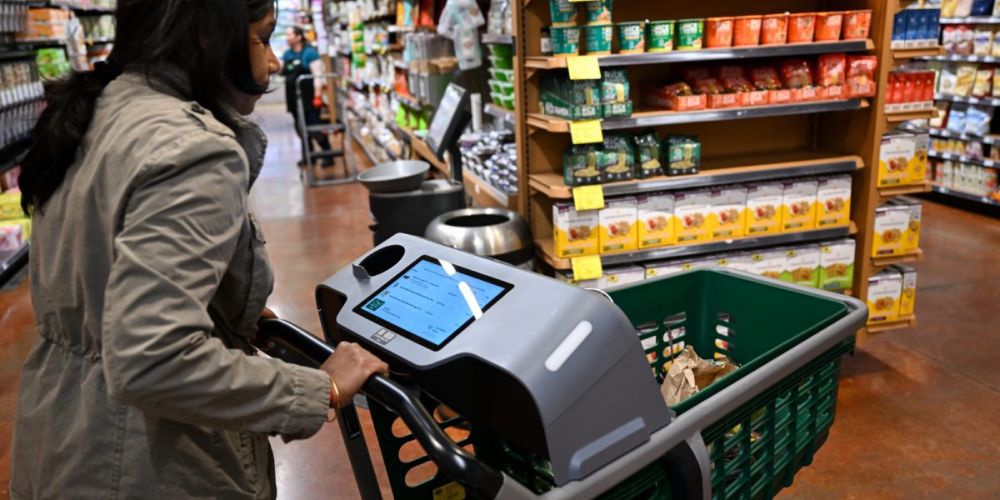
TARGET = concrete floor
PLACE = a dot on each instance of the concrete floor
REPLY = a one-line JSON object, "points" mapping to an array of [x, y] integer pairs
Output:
{"points": [[919, 409]]}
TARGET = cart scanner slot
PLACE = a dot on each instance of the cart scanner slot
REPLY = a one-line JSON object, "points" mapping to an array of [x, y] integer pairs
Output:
{"points": [[550, 367]]}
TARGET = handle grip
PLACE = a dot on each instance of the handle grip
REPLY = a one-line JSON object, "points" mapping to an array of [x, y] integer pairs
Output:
{"points": [[287, 341]]}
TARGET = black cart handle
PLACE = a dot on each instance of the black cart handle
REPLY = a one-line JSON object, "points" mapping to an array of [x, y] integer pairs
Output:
{"points": [[287, 341]]}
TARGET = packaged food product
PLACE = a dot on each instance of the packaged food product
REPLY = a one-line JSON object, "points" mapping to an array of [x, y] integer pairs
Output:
{"points": [[616, 159], [768, 263], [615, 93], [856, 23], [995, 48], [983, 84], [599, 12], [764, 209], [676, 97], [580, 166], [956, 121], [982, 41], [884, 291], [802, 266], [739, 262], [861, 78], [656, 220], [899, 35], [683, 154], [565, 40], [981, 7], [918, 165], [563, 12], [796, 74], [891, 223], [996, 85], [10, 206], [836, 264], [618, 227], [746, 31], [907, 300], [571, 99], [774, 29], [729, 212], [964, 38], [948, 8], [576, 233], [977, 121], [647, 155], [911, 236], [631, 37], [689, 34], [949, 39], [663, 269], [798, 205], [833, 198], [660, 36], [598, 39], [801, 27], [621, 276], [828, 26], [831, 70], [718, 32], [691, 210], [895, 154], [734, 79], [11, 237]]}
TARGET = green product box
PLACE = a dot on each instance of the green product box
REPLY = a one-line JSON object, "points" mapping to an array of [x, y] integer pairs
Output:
{"points": [[801, 266], [836, 267], [571, 100]]}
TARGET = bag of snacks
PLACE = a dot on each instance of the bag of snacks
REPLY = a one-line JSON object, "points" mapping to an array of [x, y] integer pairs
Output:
{"points": [[831, 70], [615, 93], [984, 82], [580, 166], [965, 78], [647, 155], [617, 160], [683, 154], [796, 74], [765, 78], [861, 75], [734, 79], [676, 97]]}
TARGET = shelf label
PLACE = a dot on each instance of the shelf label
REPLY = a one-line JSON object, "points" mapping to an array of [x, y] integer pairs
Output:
{"points": [[583, 68], [587, 268], [586, 132], [588, 197]]}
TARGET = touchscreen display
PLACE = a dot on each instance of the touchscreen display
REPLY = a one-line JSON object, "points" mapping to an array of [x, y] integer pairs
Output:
{"points": [[432, 301]]}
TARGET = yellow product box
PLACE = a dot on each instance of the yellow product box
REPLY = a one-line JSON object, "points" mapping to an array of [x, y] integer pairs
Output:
{"points": [[884, 292], [10, 206], [729, 212], [907, 300], [768, 263], [891, 223], [833, 201], [764, 209], [798, 205], [693, 222], [918, 164], [801, 266], [657, 226], [576, 233], [911, 235], [661, 269], [895, 154], [622, 276], [618, 226]]}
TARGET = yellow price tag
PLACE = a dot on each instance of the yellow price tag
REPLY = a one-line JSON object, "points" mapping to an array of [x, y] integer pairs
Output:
{"points": [[586, 132], [587, 268], [583, 68], [588, 198]]}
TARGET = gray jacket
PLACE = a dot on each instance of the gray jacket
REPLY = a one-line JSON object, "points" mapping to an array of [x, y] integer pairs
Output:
{"points": [[148, 274]]}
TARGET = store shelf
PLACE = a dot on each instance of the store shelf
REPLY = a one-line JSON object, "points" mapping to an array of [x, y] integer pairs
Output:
{"points": [[498, 39], [546, 247], [504, 114], [961, 58], [982, 101], [922, 52], [963, 159], [11, 263], [905, 322], [948, 134], [641, 119], [367, 149], [9, 55], [761, 51], [21, 103], [970, 20], [880, 262], [962, 195], [422, 150], [733, 171], [484, 194], [40, 44], [905, 116], [890, 191]]}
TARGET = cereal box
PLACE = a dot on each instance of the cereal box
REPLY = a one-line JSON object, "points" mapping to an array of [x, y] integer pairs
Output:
{"points": [[661, 269], [907, 299], [836, 264], [768, 263], [891, 223], [656, 220], [833, 201], [801, 266], [729, 212], [884, 292], [798, 205], [895, 154], [918, 163], [622, 276], [911, 236], [692, 212], [576, 233], [618, 231], [764, 209]]}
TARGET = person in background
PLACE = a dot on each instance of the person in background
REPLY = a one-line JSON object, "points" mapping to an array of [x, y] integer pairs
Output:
{"points": [[149, 274], [301, 58]]}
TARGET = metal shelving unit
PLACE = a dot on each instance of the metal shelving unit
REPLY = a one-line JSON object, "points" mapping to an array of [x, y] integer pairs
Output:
{"points": [[963, 159], [970, 20], [981, 101], [941, 190], [948, 134], [503, 114], [12, 262], [961, 58]]}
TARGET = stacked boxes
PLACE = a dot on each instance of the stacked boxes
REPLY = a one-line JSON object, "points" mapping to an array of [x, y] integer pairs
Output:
{"points": [[903, 159]]}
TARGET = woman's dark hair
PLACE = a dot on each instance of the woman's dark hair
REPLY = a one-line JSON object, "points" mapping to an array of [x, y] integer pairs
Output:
{"points": [[205, 39], [301, 33]]}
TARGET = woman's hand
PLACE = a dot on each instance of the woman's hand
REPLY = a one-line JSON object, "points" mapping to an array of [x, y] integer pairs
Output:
{"points": [[349, 367]]}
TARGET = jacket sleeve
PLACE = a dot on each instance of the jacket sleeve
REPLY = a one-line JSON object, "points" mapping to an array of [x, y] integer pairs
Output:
{"points": [[179, 232]]}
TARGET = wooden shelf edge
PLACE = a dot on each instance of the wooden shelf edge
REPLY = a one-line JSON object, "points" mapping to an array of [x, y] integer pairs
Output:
{"points": [[881, 262], [904, 116], [903, 54], [905, 189], [886, 326]]}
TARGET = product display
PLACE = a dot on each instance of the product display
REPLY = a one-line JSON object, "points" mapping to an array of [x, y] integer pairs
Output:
{"points": [[903, 159], [492, 157], [915, 27], [914, 90], [897, 228], [885, 290]]}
